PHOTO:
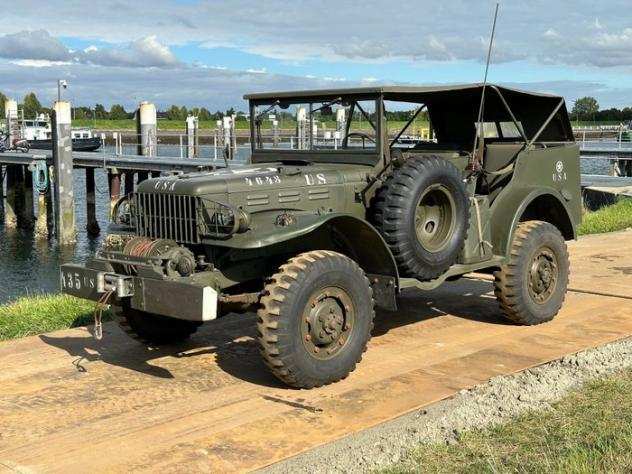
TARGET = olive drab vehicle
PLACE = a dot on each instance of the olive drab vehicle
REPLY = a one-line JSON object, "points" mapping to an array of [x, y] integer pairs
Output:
{"points": [[321, 229]]}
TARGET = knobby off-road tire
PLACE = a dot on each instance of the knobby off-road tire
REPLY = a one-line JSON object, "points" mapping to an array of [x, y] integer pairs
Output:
{"points": [[531, 287], [315, 319], [422, 211], [153, 329]]}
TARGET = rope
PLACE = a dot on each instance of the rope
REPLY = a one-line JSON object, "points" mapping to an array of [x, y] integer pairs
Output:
{"points": [[480, 228], [98, 314]]}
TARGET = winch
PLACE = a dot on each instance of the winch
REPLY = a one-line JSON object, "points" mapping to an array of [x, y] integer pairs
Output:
{"points": [[177, 260]]}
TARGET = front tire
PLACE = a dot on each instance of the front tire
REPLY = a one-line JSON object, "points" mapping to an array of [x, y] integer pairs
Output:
{"points": [[531, 286], [315, 319], [152, 329]]}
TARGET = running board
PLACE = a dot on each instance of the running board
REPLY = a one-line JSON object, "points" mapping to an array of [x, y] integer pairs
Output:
{"points": [[455, 270]]}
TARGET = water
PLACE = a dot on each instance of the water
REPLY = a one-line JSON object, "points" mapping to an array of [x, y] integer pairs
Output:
{"points": [[30, 266]]}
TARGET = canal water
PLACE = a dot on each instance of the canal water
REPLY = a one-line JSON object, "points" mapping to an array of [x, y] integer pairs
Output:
{"points": [[29, 266]]}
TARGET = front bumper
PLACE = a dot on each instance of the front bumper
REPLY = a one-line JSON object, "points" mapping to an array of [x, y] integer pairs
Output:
{"points": [[180, 299]]}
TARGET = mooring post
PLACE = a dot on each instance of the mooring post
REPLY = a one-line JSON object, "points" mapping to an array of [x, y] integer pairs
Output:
{"points": [[114, 184], [301, 128], [192, 136], [92, 225], [275, 133], [146, 127], [227, 129], [62, 160]]}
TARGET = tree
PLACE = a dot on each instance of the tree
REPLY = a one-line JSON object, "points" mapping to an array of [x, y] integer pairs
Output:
{"points": [[100, 112], [585, 108], [117, 112], [31, 105], [204, 115], [177, 113], [3, 99]]}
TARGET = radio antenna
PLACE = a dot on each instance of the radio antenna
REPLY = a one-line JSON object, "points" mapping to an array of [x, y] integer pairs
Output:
{"points": [[479, 139]]}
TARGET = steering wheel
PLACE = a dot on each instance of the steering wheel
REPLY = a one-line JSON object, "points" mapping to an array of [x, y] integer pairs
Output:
{"points": [[360, 135], [366, 136]]}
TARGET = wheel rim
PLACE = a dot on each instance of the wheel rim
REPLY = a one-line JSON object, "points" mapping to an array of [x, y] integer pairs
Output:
{"points": [[435, 218], [327, 322], [543, 275]]}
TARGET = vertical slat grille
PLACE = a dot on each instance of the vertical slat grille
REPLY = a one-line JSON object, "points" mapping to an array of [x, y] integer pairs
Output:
{"points": [[167, 216]]}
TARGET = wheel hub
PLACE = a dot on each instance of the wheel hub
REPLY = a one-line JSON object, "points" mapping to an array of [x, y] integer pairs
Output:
{"points": [[435, 218], [543, 275], [327, 322]]}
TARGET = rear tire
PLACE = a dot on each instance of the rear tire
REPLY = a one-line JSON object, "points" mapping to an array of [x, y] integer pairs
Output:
{"points": [[531, 286], [315, 319], [153, 329], [422, 211]]}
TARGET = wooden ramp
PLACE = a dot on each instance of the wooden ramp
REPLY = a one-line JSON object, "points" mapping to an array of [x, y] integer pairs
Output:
{"points": [[71, 404]]}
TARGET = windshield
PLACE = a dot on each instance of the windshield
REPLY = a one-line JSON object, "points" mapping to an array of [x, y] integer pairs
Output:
{"points": [[325, 126]]}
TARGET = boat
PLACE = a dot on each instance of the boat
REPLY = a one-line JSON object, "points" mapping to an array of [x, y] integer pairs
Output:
{"points": [[38, 133]]}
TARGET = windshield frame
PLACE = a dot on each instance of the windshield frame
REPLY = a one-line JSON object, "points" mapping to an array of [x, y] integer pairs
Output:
{"points": [[370, 157]]}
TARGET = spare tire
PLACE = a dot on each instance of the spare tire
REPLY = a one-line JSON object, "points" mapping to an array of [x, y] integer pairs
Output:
{"points": [[422, 211]]}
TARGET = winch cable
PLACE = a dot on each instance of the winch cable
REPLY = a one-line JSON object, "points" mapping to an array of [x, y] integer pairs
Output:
{"points": [[98, 314]]}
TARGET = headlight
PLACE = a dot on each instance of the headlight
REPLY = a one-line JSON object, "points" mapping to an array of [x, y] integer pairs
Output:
{"points": [[223, 220], [122, 211]]}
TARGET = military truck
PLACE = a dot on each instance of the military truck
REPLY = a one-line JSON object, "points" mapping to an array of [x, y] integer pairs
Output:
{"points": [[316, 233]]}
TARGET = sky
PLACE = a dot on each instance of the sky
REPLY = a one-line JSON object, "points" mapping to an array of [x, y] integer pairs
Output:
{"points": [[210, 53]]}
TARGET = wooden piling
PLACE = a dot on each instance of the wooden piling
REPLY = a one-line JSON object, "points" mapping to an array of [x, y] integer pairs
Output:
{"points": [[10, 211], [27, 217], [128, 183], [2, 175], [41, 224], [92, 225], [114, 184], [62, 159]]}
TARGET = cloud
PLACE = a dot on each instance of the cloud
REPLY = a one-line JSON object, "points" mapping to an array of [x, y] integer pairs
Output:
{"points": [[35, 45], [331, 30], [601, 49], [40, 49], [188, 86], [144, 52]]}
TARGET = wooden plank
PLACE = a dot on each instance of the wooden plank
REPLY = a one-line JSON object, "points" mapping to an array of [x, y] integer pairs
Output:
{"points": [[70, 403]]}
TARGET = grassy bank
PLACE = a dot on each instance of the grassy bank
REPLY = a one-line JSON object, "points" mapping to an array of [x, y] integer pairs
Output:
{"points": [[608, 219], [588, 431], [38, 314]]}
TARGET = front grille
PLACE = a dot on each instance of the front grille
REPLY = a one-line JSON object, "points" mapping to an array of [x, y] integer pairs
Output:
{"points": [[167, 216]]}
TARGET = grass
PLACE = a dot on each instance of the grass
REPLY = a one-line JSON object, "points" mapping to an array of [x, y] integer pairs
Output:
{"points": [[588, 431], [612, 218], [130, 124], [32, 315]]}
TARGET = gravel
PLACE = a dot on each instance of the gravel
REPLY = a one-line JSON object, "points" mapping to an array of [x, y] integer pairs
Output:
{"points": [[501, 398]]}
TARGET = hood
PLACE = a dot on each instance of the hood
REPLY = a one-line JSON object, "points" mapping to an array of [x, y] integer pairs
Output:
{"points": [[250, 178]]}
